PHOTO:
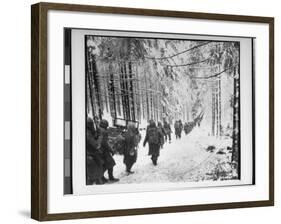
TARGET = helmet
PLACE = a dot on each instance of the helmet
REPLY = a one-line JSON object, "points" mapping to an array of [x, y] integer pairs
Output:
{"points": [[131, 126], [104, 123], [152, 123]]}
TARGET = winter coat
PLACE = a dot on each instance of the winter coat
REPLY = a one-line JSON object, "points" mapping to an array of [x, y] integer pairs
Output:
{"points": [[154, 150], [162, 132], [132, 138], [95, 162], [167, 128], [185, 127], [105, 148], [154, 147], [177, 125], [180, 125], [153, 136], [178, 128]]}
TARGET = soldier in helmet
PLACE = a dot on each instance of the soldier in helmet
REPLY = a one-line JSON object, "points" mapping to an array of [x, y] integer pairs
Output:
{"points": [[94, 158], [153, 137], [132, 138], [106, 150], [181, 127], [168, 131], [163, 134]]}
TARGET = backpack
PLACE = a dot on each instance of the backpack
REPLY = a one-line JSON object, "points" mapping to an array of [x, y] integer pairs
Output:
{"points": [[153, 136], [166, 127], [119, 144]]}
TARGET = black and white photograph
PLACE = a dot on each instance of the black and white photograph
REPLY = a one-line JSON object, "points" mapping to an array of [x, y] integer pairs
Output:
{"points": [[161, 110], [138, 111]]}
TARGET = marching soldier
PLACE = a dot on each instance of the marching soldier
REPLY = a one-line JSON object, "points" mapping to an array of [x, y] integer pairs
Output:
{"points": [[168, 131], [95, 161], [153, 137], [162, 131], [106, 150], [132, 138]]}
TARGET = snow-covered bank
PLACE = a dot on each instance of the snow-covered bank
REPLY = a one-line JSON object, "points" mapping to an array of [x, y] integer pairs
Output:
{"points": [[183, 160]]}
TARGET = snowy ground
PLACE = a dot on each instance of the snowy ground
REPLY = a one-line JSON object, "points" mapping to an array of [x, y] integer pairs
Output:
{"points": [[183, 160]]}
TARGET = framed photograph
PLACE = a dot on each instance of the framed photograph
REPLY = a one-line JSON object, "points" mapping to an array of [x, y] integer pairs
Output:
{"points": [[138, 111]]}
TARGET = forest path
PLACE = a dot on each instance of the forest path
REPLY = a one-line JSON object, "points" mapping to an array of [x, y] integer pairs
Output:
{"points": [[181, 160]]}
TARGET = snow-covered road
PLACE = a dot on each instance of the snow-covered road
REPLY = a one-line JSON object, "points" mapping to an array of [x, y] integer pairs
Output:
{"points": [[182, 160]]}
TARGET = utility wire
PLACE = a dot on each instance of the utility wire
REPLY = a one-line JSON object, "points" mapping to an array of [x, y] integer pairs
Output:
{"points": [[188, 64], [215, 75], [174, 55]]}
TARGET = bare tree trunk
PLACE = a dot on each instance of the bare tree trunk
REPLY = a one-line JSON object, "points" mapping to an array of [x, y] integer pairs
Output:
{"points": [[92, 81], [111, 90], [236, 123], [131, 93], [147, 98], [117, 88], [127, 92], [219, 104], [213, 108], [216, 107], [96, 85], [90, 95], [123, 91], [138, 94]]}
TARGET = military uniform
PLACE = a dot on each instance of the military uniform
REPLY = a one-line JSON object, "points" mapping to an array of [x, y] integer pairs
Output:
{"points": [[106, 150], [95, 162], [131, 138], [153, 137]]}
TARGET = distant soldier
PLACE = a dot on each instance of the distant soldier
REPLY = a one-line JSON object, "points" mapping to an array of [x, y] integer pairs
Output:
{"points": [[131, 140], [200, 119], [177, 129], [107, 152], [168, 131], [95, 161], [181, 127], [185, 128], [153, 137], [162, 131]]}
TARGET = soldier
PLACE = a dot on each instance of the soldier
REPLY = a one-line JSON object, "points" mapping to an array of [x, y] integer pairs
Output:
{"points": [[132, 138], [107, 152], [162, 131], [185, 128], [180, 128], [177, 129], [168, 131], [95, 161], [153, 137]]}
